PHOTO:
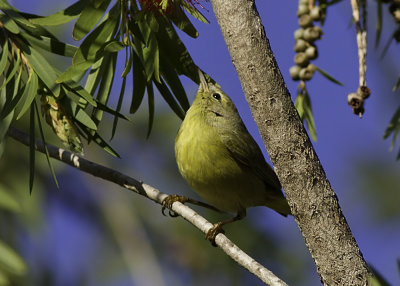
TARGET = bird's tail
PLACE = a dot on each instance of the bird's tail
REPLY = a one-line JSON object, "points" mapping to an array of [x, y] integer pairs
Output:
{"points": [[280, 205]]}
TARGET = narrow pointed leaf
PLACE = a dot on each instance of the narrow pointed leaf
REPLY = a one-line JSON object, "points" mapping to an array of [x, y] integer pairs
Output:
{"points": [[88, 19], [43, 69], [4, 54], [166, 94], [31, 149], [119, 105], [51, 45], [9, 24], [183, 23], [194, 12], [394, 122], [172, 79], [91, 48], [62, 17], [396, 86], [329, 77], [45, 146], [29, 93], [139, 84], [99, 141], [108, 72], [150, 96], [114, 46], [15, 66]]}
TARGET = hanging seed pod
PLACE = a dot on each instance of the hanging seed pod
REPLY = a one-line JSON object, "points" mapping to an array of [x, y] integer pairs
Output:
{"points": [[357, 103], [312, 67], [364, 91], [300, 46], [301, 59], [305, 21], [312, 34], [304, 2], [298, 34], [302, 9], [306, 74], [315, 13], [294, 72], [311, 52]]}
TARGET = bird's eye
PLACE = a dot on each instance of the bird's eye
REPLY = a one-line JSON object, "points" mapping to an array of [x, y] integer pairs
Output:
{"points": [[217, 96]]}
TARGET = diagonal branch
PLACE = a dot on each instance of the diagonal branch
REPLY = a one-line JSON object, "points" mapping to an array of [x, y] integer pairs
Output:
{"points": [[155, 195], [314, 204]]}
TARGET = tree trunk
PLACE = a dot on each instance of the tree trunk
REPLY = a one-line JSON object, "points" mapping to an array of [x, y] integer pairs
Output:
{"points": [[314, 204]]}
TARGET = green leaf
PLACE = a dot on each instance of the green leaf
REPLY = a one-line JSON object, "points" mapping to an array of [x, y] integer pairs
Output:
{"points": [[62, 17], [4, 53], [43, 69], [139, 84], [78, 113], [303, 106], [172, 79], [150, 96], [183, 23], [80, 91], [6, 121], [10, 260], [114, 46], [329, 77], [51, 45], [29, 93], [88, 19], [72, 71], [108, 72], [94, 77], [166, 94], [128, 65], [377, 279], [31, 149], [16, 94], [151, 59], [9, 24], [194, 12], [99, 141], [394, 123], [15, 15], [396, 86], [91, 48], [15, 64], [119, 105], [7, 201], [174, 51], [45, 146]]}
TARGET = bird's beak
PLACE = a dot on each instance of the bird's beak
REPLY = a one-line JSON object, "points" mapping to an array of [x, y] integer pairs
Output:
{"points": [[203, 82]]}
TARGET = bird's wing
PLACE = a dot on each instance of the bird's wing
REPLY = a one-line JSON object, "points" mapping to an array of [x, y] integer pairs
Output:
{"points": [[246, 152]]}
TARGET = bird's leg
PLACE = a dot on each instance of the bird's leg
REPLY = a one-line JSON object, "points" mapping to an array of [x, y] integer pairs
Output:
{"points": [[217, 228], [168, 201]]}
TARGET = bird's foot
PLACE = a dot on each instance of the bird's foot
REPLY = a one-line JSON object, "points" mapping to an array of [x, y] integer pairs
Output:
{"points": [[213, 232], [168, 201]]}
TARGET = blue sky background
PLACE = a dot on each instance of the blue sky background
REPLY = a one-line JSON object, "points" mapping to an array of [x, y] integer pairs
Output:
{"points": [[351, 149]]}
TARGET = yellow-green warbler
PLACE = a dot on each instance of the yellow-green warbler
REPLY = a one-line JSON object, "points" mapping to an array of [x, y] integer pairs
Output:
{"points": [[221, 161]]}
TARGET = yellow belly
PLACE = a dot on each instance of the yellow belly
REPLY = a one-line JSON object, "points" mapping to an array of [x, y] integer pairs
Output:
{"points": [[210, 170]]}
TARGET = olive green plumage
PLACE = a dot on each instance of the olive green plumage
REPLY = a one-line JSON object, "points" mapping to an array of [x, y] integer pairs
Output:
{"points": [[220, 160]]}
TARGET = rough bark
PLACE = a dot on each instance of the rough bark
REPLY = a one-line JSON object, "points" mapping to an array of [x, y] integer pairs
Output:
{"points": [[312, 200]]}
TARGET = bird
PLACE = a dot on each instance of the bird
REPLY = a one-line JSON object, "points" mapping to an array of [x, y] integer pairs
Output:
{"points": [[221, 161]]}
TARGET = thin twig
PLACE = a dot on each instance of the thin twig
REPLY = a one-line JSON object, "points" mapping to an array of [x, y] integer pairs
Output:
{"points": [[361, 31], [155, 195]]}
